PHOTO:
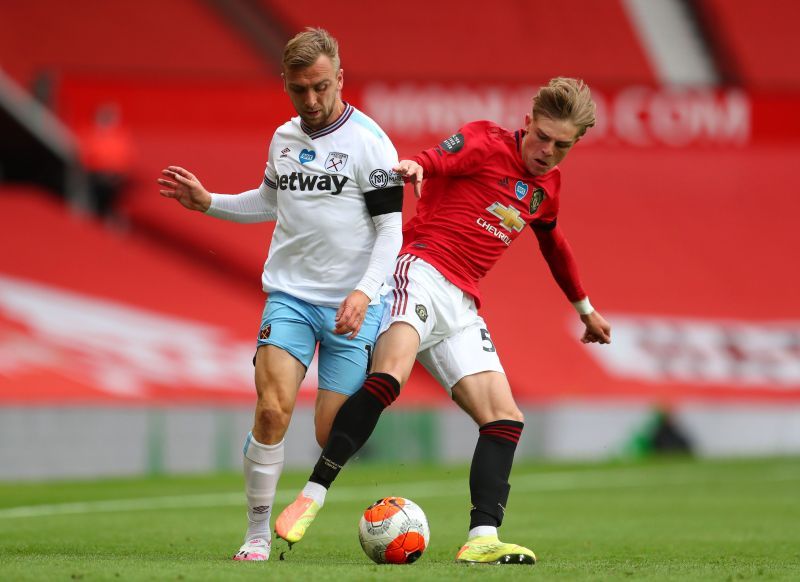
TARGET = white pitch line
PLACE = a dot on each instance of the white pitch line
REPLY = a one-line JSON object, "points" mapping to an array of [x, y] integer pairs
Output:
{"points": [[526, 483]]}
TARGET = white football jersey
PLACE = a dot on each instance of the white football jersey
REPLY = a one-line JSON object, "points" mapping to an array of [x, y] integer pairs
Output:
{"points": [[324, 236]]}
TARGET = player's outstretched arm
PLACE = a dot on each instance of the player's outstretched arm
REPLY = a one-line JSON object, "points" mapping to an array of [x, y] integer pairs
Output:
{"points": [[184, 187], [413, 172], [598, 330]]}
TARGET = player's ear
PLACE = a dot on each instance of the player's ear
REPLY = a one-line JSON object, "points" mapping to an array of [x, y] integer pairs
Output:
{"points": [[340, 79], [527, 119], [283, 78]]}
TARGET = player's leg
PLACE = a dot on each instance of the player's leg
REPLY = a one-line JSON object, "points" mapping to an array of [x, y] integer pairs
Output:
{"points": [[326, 406], [344, 365], [395, 352], [408, 319], [286, 346], [487, 398], [468, 365]]}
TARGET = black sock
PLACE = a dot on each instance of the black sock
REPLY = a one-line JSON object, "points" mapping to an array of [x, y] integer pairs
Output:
{"points": [[491, 466], [353, 425]]}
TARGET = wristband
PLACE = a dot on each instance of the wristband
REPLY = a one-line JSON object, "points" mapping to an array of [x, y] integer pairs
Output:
{"points": [[583, 306]]}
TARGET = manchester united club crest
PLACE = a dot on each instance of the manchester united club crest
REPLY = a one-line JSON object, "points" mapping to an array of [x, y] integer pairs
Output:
{"points": [[536, 199], [335, 162], [263, 334], [421, 312]]}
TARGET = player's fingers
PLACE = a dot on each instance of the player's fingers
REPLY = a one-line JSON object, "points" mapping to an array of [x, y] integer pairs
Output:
{"points": [[177, 170], [418, 183], [344, 311], [182, 179], [602, 335], [167, 183], [357, 328], [401, 168], [168, 193]]}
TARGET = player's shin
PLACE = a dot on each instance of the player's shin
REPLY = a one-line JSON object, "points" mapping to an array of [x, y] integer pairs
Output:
{"points": [[488, 477], [354, 424], [263, 465]]}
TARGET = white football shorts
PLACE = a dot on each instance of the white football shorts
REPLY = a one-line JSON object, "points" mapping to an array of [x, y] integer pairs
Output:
{"points": [[454, 339]]}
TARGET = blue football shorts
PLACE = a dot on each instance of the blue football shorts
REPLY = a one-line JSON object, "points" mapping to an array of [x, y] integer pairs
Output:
{"points": [[297, 327]]}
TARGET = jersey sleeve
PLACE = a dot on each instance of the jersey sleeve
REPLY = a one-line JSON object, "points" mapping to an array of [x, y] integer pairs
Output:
{"points": [[557, 252], [270, 180], [459, 155]]}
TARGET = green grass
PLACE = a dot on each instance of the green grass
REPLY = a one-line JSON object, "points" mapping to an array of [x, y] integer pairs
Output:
{"points": [[665, 520]]}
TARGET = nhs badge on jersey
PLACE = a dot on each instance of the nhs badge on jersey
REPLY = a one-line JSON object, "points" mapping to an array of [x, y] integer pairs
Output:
{"points": [[520, 189], [335, 162], [307, 156]]}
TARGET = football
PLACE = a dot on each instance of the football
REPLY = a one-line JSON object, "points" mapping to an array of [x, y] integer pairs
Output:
{"points": [[394, 530]]}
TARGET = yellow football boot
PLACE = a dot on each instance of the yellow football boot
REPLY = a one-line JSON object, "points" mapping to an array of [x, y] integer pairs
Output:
{"points": [[490, 550]]}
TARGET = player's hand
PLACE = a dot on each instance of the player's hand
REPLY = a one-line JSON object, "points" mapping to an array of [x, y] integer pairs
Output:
{"points": [[351, 313], [412, 172], [598, 329], [184, 187]]}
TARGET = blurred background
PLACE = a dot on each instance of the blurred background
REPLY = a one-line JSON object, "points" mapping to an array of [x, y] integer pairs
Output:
{"points": [[127, 324]]}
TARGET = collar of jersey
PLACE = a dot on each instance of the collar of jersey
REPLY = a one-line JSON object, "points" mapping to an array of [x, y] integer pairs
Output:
{"points": [[314, 134]]}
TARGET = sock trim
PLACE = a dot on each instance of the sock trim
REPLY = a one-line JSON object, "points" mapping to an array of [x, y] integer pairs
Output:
{"points": [[510, 430], [261, 453], [384, 387]]}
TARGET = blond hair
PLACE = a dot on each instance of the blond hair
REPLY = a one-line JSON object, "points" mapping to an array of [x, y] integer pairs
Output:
{"points": [[566, 98], [306, 47]]}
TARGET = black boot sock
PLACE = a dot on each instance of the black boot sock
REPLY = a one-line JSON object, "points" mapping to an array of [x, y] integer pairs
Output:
{"points": [[491, 466], [353, 425]]}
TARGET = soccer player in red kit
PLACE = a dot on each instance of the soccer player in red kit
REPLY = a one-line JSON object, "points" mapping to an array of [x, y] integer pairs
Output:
{"points": [[483, 187]]}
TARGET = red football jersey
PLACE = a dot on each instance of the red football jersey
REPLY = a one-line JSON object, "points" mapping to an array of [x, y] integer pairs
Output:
{"points": [[477, 197]]}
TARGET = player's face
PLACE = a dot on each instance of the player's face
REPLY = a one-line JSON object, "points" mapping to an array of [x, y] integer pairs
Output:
{"points": [[314, 92], [546, 142]]}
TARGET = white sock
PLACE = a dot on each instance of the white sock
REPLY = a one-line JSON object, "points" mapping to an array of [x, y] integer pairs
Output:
{"points": [[316, 492], [263, 465], [482, 530]]}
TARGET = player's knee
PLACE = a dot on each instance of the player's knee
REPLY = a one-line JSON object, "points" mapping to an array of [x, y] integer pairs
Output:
{"points": [[516, 415], [501, 413], [271, 417]]}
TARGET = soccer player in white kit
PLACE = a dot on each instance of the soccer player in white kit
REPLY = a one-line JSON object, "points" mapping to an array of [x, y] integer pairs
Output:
{"points": [[337, 204]]}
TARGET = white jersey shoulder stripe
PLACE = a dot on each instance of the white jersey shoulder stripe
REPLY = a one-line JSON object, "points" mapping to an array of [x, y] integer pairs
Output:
{"points": [[367, 123]]}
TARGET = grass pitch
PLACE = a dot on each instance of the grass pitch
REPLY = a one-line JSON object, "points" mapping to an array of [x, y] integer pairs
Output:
{"points": [[678, 519]]}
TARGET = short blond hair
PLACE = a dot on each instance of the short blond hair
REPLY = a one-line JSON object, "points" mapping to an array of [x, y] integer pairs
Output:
{"points": [[566, 98], [306, 47]]}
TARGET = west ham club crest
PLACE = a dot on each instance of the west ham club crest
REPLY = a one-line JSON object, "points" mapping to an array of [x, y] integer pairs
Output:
{"points": [[335, 162]]}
